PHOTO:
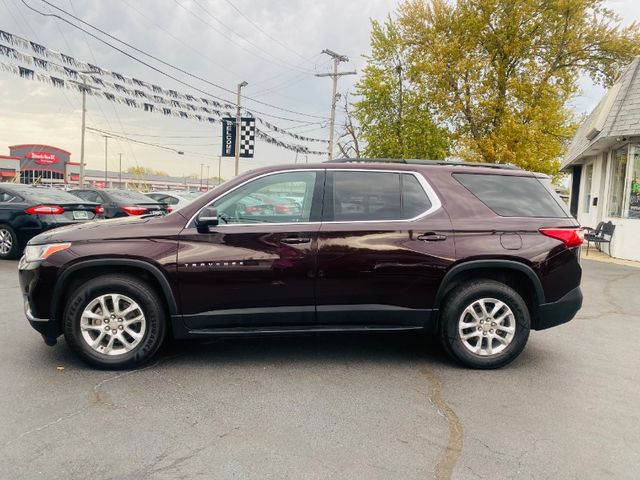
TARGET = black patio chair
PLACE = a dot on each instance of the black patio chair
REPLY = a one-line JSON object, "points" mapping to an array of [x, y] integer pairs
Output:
{"points": [[603, 233]]}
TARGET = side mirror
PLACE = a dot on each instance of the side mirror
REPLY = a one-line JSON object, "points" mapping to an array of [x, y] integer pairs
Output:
{"points": [[208, 217]]}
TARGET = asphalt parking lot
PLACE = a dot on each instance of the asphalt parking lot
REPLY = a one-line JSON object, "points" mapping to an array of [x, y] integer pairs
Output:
{"points": [[332, 406]]}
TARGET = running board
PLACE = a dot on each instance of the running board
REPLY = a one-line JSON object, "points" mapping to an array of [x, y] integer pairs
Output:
{"points": [[303, 329]]}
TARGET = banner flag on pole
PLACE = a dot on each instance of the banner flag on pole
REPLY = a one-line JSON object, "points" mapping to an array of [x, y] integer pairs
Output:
{"points": [[247, 137]]}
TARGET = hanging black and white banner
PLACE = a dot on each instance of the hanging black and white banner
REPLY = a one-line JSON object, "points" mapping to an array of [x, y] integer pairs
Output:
{"points": [[247, 137]]}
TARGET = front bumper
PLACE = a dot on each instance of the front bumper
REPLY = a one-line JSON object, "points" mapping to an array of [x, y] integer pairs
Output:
{"points": [[559, 312], [34, 290]]}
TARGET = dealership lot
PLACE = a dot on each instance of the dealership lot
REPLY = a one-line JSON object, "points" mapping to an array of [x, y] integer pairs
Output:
{"points": [[331, 406]]}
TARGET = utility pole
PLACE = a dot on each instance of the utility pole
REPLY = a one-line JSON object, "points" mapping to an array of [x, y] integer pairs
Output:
{"points": [[207, 178], [84, 87], [337, 58], [120, 170], [106, 138], [84, 113], [238, 118], [219, 169], [201, 169]]}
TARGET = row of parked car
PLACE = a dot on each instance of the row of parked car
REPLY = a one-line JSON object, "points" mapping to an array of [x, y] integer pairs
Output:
{"points": [[26, 210]]}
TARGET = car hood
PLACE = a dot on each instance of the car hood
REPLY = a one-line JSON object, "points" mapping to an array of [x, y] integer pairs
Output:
{"points": [[113, 229]]}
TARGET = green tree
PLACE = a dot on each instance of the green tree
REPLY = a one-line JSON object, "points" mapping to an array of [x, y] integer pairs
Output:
{"points": [[393, 116], [501, 72]]}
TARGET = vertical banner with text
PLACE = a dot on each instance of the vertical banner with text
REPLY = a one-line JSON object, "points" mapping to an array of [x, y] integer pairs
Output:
{"points": [[247, 137], [228, 137]]}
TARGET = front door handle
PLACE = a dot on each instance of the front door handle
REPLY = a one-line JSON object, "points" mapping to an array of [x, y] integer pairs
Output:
{"points": [[431, 237], [295, 240]]}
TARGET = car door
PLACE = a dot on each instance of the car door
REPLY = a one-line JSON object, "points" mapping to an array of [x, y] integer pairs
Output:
{"points": [[383, 248], [257, 267]]}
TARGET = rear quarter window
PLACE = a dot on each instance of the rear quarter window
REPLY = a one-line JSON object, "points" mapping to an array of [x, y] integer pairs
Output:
{"points": [[513, 196]]}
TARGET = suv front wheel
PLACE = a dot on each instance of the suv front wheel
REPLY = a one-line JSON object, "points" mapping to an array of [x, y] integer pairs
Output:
{"points": [[115, 322], [484, 324]]}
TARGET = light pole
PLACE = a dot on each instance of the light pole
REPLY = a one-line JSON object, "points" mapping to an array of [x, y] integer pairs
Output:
{"points": [[238, 113], [120, 170], [207, 178], [201, 168], [106, 138], [219, 169]]}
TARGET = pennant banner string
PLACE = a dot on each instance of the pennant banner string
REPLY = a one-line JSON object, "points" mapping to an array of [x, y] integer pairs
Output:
{"points": [[71, 68], [148, 106]]}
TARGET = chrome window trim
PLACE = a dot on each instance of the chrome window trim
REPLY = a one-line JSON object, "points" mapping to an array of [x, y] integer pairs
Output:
{"points": [[436, 204]]}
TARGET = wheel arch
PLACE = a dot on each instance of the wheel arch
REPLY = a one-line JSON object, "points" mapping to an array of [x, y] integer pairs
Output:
{"points": [[75, 274], [518, 275]]}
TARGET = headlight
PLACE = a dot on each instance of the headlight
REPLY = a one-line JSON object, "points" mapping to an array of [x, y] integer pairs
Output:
{"points": [[36, 253]]}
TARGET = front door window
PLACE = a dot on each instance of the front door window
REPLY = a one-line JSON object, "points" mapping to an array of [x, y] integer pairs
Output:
{"points": [[279, 198]]}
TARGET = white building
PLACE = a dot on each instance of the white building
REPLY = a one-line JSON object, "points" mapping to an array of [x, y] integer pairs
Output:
{"points": [[604, 160]]}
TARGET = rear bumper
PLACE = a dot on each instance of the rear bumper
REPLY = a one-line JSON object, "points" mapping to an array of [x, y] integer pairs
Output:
{"points": [[559, 312]]}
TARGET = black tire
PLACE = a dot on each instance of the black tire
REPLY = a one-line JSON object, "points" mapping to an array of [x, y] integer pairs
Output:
{"points": [[150, 304], [465, 295], [14, 251]]}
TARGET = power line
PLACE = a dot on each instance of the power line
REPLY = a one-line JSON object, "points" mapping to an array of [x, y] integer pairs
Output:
{"points": [[262, 30], [133, 57], [194, 50], [149, 144], [281, 64]]}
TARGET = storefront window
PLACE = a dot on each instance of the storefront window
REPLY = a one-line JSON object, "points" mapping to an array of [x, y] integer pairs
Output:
{"points": [[634, 187], [618, 173]]}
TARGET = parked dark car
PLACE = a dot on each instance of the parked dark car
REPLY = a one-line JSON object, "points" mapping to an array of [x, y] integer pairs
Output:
{"points": [[120, 203], [26, 211], [478, 255]]}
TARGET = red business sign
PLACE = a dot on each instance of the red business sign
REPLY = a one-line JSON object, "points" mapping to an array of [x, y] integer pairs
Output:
{"points": [[43, 158]]}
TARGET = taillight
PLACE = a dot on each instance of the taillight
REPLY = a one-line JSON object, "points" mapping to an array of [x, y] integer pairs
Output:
{"points": [[99, 210], [45, 210], [571, 237], [135, 210], [252, 209], [169, 209]]}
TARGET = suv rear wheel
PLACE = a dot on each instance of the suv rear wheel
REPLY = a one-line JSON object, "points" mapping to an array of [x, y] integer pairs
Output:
{"points": [[115, 321], [485, 324]]}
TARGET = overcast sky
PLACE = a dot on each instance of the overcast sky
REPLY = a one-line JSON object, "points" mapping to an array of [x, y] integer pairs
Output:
{"points": [[213, 40]]}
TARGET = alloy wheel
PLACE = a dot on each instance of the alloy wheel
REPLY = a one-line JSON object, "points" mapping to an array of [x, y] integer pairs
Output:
{"points": [[6, 241], [487, 326], [113, 324]]}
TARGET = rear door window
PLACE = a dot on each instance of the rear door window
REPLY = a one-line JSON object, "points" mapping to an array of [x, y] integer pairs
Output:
{"points": [[513, 196], [376, 196]]}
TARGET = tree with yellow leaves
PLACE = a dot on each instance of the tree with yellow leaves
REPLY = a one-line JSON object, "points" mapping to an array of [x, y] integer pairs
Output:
{"points": [[501, 72]]}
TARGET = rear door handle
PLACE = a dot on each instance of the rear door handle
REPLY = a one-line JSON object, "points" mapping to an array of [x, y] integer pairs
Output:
{"points": [[431, 237], [295, 240]]}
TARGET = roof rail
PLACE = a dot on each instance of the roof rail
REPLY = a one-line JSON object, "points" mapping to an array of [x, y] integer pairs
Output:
{"points": [[413, 161]]}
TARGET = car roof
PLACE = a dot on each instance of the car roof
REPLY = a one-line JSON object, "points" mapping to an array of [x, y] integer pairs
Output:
{"points": [[433, 167]]}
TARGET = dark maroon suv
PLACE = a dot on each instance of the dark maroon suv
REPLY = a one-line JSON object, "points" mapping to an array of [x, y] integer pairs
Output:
{"points": [[478, 255]]}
